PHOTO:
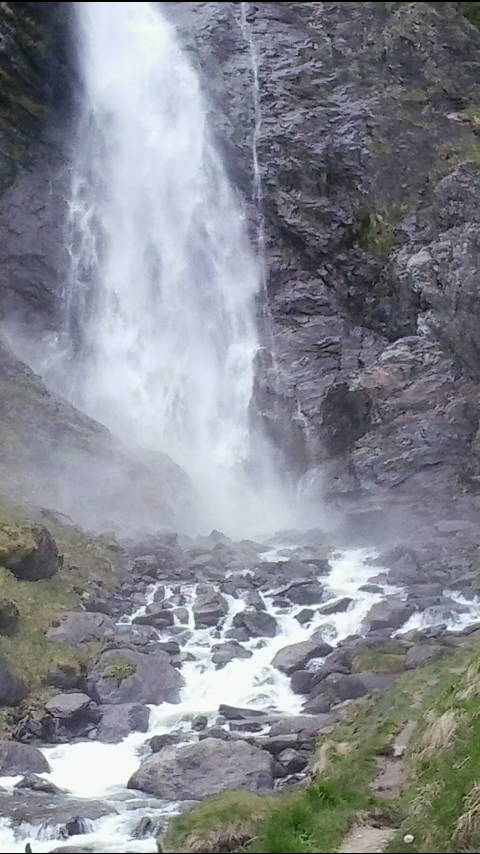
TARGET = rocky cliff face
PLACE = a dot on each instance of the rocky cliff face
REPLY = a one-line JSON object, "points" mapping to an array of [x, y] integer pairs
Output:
{"points": [[370, 163]]}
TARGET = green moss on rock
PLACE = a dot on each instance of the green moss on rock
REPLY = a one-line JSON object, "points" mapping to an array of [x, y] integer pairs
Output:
{"points": [[120, 669]]}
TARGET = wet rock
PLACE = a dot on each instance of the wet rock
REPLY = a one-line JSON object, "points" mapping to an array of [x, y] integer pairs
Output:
{"points": [[419, 654], [156, 615], [157, 742], [77, 627], [182, 615], [336, 606], [295, 656], [304, 593], [225, 652], [21, 759], [301, 681], [68, 707], [322, 702], [9, 615], [254, 600], [120, 720], [146, 827], [38, 784], [258, 624], [390, 613], [31, 553], [293, 760], [193, 771], [235, 713], [305, 616], [53, 814], [209, 606], [12, 687], [199, 723], [124, 676]]}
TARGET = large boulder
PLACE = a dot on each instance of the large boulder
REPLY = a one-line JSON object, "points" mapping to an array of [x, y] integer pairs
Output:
{"points": [[18, 758], [157, 616], [297, 655], [12, 687], [29, 551], [76, 627], [256, 624], [68, 707], [125, 676], [209, 606], [119, 721], [390, 613], [223, 653], [193, 771]]}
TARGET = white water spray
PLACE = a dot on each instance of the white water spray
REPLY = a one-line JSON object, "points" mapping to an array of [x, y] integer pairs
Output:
{"points": [[160, 309]]}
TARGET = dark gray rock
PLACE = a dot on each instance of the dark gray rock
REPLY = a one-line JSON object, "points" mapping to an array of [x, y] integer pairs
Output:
{"points": [[21, 759], [36, 558], [257, 624], [295, 656], [336, 606], [224, 652], [301, 681], [193, 771], [293, 760], [304, 593], [390, 613], [68, 707], [120, 720], [156, 615], [419, 654], [234, 713], [305, 616], [12, 687], [131, 633], [124, 676], [209, 606], [9, 615], [157, 742], [77, 627]]}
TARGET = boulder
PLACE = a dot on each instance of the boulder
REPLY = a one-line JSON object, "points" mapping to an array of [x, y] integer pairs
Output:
{"points": [[390, 613], [257, 624], [301, 681], [193, 771], [38, 784], [68, 707], [9, 615], [222, 653], [209, 606], [420, 653], [120, 720], [296, 655], [156, 615], [76, 627], [236, 713], [336, 606], [125, 676], [21, 759], [135, 634], [12, 687], [29, 552], [304, 593]]}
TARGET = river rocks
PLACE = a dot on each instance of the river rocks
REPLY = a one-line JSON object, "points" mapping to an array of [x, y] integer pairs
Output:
{"points": [[336, 606], [156, 615], [304, 593], [12, 687], [294, 657], [390, 613], [38, 784], [257, 624], [77, 627], [120, 720], [124, 676], [225, 652], [131, 633], [29, 552], [21, 759], [209, 606], [9, 615], [193, 771], [68, 707]]}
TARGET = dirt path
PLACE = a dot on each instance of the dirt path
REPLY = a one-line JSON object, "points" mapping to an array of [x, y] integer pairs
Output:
{"points": [[370, 838]]}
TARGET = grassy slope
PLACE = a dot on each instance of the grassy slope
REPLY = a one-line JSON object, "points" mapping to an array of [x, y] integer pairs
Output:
{"points": [[440, 804], [85, 558]]}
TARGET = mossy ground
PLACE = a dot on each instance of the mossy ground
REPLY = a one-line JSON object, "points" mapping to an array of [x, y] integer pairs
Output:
{"points": [[86, 558], [439, 805]]}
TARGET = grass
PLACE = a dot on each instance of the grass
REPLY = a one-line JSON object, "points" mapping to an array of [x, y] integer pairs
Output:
{"points": [[28, 651], [119, 670], [439, 806]]}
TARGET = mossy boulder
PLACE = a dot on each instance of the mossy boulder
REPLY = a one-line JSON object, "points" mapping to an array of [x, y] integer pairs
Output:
{"points": [[29, 552]]}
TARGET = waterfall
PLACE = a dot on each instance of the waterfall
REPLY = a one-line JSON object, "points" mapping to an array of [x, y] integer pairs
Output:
{"points": [[160, 307]]}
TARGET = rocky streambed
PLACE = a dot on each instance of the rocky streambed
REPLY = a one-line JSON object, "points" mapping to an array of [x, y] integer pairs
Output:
{"points": [[220, 665]]}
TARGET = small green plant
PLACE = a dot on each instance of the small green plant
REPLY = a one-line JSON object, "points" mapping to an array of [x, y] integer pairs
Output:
{"points": [[119, 670]]}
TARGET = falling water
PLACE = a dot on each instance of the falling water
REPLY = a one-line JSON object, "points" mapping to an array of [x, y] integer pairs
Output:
{"points": [[160, 309]]}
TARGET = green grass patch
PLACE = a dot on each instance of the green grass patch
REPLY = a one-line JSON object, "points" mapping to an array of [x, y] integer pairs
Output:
{"points": [[119, 670]]}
